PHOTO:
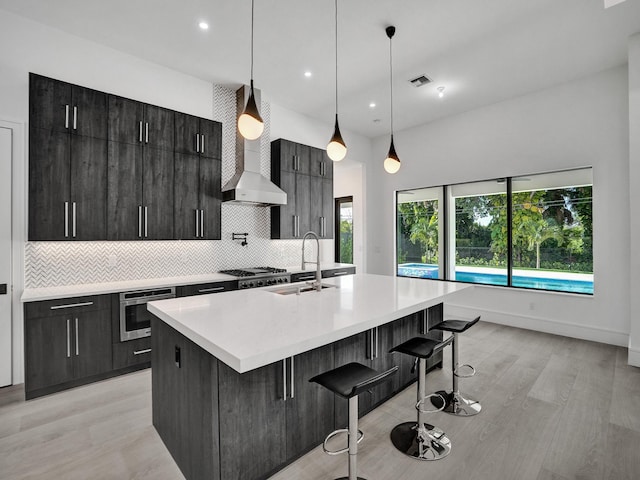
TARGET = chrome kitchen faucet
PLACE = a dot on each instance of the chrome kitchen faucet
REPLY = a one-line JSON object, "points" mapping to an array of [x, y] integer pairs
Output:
{"points": [[318, 283]]}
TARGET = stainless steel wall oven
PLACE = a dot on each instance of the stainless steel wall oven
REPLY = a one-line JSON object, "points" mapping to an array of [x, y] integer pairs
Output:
{"points": [[135, 319]]}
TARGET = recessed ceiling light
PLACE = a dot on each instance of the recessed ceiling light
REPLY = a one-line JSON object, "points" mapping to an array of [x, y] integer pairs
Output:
{"points": [[372, 105], [203, 25], [307, 74]]}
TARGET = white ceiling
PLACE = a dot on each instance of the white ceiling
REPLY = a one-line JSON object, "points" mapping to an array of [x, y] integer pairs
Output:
{"points": [[483, 51]]}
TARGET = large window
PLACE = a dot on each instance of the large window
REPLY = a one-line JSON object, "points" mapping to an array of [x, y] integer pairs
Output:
{"points": [[532, 231], [344, 230]]}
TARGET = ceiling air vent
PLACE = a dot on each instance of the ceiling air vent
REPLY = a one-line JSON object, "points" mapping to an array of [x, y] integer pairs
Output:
{"points": [[420, 81]]}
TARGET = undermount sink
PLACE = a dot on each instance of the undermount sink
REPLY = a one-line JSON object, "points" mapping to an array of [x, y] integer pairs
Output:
{"points": [[298, 289]]}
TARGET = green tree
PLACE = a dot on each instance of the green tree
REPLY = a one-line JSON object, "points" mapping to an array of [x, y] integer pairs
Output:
{"points": [[346, 241]]}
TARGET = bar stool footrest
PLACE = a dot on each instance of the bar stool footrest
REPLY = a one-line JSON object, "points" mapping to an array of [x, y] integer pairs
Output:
{"points": [[457, 404], [338, 432], [441, 401], [460, 375]]}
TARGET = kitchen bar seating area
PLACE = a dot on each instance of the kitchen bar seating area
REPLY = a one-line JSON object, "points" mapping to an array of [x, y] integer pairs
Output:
{"points": [[539, 421]]}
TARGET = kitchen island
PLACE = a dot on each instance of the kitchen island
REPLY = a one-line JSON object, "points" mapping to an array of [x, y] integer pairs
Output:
{"points": [[231, 397]]}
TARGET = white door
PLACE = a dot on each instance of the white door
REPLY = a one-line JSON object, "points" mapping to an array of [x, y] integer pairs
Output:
{"points": [[5, 256]]}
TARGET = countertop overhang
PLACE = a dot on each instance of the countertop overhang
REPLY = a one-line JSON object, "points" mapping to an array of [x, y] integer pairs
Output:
{"points": [[248, 329]]}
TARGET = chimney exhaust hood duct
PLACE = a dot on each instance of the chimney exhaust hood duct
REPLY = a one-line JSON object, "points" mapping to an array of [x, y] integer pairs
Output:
{"points": [[248, 186]]}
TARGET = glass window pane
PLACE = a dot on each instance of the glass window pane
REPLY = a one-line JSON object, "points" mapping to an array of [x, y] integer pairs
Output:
{"points": [[480, 240], [346, 231], [552, 231], [418, 235]]}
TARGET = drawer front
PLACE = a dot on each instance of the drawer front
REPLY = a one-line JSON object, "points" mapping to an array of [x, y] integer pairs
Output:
{"points": [[133, 352], [338, 272], [207, 288], [67, 306], [307, 276]]}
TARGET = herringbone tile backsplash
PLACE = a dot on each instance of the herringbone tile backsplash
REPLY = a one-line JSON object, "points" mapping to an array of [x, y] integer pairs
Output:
{"points": [[50, 264]]}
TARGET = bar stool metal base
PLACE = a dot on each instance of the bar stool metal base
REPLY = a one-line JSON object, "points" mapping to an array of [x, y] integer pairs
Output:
{"points": [[457, 404], [428, 443]]}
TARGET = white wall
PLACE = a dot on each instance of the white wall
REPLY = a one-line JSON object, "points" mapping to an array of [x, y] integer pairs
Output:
{"points": [[580, 123], [634, 197]]}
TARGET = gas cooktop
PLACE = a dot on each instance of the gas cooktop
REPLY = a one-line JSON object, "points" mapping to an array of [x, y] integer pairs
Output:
{"points": [[252, 272]]}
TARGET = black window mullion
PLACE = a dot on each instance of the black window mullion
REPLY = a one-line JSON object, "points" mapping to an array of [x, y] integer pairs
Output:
{"points": [[509, 232], [443, 222]]}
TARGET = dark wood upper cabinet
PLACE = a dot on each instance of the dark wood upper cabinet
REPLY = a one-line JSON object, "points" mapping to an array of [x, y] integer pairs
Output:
{"points": [[102, 167]]}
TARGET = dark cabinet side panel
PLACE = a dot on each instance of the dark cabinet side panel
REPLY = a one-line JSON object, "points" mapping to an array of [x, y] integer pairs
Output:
{"points": [[303, 204], [351, 349], [315, 197], [327, 207], [124, 190], [89, 187], [282, 218], [383, 361], [49, 180], [252, 421]]}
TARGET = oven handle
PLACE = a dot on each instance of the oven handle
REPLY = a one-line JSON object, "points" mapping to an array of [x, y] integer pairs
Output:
{"points": [[140, 300]]}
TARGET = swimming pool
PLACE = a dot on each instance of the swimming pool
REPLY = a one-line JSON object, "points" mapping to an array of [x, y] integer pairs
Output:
{"points": [[421, 270]]}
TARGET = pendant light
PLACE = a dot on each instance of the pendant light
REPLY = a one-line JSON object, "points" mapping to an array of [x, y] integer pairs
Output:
{"points": [[392, 162], [250, 122], [336, 150]]}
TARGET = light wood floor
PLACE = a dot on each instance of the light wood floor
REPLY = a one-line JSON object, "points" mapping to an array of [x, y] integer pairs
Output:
{"points": [[552, 408]]}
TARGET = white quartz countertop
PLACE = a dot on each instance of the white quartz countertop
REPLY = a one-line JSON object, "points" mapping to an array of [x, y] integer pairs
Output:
{"points": [[248, 329], [83, 290]]}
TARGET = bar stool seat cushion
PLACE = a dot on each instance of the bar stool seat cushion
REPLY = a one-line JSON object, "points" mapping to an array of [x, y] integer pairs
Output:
{"points": [[351, 379], [456, 326], [420, 347]]}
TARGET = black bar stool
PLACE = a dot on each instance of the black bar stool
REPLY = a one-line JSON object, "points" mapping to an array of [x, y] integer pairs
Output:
{"points": [[455, 402], [349, 381], [419, 439]]}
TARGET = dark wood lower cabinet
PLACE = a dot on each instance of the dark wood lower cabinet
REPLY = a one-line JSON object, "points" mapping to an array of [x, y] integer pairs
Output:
{"points": [[222, 425]]}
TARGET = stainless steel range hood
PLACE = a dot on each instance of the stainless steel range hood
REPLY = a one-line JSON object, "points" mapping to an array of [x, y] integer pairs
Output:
{"points": [[248, 186]]}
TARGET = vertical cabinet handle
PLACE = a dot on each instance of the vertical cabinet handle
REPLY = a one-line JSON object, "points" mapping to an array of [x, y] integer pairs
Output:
{"points": [[377, 342], [197, 143], [68, 338], [146, 211], [66, 116], [140, 131], [197, 223], [139, 221], [75, 117], [202, 143], [292, 377], [66, 219], [201, 223], [77, 335], [146, 132], [73, 219], [284, 379]]}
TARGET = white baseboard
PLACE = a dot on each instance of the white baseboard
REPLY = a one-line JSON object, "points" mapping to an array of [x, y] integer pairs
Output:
{"points": [[567, 329], [634, 357]]}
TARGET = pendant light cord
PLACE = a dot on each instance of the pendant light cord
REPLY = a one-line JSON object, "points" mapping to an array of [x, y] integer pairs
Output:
{"points": [[252, 8], [391, 80], [336, 22]]}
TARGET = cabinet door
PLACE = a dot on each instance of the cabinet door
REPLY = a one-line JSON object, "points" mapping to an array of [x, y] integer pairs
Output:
{"points": [[186, 202], [327, 207], [187, 127], [48, 351], [303, 152], [351, 349], [49, 180], [159, 127], [383, 361], [89, 112], [310, 413], [88, 188], [283, 223], [252, 421], [49, 104], [210, 197], [320, 164], [288, 151], [316, 211], [92, 343], [125, 120], [404, 329], [124, 188], [303, 203], [157, 193], [211, 139]]}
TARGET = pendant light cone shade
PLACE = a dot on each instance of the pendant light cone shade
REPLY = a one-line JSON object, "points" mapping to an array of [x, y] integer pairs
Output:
{"points": [[250, 122], [392, 162], [336, 149]]}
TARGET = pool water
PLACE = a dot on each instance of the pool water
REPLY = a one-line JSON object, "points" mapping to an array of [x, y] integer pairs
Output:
{"points": [[564, 285]]}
